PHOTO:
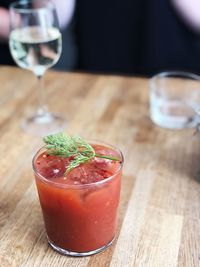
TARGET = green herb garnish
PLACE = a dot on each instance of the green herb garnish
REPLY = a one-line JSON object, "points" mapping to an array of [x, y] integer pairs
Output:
{"points": [[66, 146]]}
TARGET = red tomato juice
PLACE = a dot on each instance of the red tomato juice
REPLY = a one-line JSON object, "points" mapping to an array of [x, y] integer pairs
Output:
{"points": [[79, 208]]}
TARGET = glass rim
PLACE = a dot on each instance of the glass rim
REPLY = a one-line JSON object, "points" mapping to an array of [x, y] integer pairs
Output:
{"points": [[80, 186], [13, 6], [171, 74]]}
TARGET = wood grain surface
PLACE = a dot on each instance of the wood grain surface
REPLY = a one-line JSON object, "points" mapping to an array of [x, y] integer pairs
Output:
{"points": [[159, 215]]}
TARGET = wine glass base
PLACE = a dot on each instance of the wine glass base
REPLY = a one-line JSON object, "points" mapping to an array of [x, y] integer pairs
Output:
{"points": [[44, 124]]}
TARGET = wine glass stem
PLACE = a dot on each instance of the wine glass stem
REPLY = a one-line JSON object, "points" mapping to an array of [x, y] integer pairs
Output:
{"points": [[42, 109]]}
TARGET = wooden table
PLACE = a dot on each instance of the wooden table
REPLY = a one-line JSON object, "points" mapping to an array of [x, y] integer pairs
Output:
{"points": [[159, 216]]}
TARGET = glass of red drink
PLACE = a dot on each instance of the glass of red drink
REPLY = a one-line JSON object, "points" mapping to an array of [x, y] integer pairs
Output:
{"points": [[80, 207]]}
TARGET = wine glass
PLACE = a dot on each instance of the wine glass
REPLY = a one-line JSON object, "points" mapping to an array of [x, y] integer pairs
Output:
{"points": [[35, 43]]}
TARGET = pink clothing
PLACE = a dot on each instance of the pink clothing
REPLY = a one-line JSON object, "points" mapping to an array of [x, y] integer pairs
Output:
{"points": [[190, 12], [65, 10]]}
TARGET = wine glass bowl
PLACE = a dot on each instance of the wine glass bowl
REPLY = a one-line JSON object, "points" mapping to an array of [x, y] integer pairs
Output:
{"points": [[35, 44]]}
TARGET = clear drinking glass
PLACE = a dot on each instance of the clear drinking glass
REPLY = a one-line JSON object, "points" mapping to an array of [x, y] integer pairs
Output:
{"points": [[35, 44], [80, 207], [174, 98]]}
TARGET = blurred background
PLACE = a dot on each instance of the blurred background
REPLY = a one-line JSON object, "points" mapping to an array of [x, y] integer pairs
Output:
{"points": [[128, 37]]}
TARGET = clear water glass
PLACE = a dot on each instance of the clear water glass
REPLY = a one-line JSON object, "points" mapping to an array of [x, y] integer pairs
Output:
{"points": [[174, 98]]}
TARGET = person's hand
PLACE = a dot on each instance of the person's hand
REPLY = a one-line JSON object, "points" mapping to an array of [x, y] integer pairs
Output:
{"points": [[189, 11], [4, 24]]}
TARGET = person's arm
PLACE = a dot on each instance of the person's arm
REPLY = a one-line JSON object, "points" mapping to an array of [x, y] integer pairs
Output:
{"points": [[65, 10], [4, 24], [190, 12]]}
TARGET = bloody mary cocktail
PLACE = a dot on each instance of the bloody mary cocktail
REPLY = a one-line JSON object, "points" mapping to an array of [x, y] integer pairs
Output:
{"points": [[80, 207]]}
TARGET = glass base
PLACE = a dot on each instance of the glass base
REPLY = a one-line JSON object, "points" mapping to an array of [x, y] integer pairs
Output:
{"points": [[77, 254], [44, 124], [172, 114], [175, 123]]}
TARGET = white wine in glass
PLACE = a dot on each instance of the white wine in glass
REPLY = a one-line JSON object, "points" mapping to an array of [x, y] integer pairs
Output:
{"points": [[35, 43]]}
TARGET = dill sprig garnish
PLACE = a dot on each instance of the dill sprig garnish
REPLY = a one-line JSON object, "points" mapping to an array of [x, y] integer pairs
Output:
{"points": [[67, 146]]}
